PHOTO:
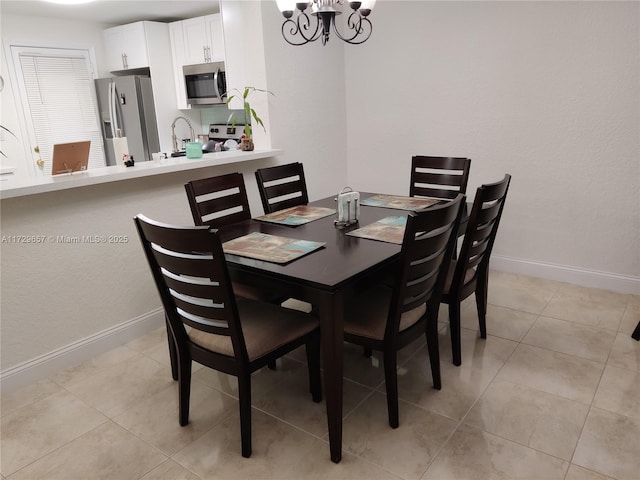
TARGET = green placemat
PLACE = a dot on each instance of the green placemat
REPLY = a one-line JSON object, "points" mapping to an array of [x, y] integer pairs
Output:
{"points": [[399, 202], [297, 215], [270, 248], [387, 229]]}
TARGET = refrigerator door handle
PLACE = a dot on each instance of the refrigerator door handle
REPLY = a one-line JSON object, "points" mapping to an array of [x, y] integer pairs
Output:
{"points": [[113, 131], [114, 109]]}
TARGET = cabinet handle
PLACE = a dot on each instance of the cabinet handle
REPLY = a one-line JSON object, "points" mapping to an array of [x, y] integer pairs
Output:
{"points": [[126, 63]]}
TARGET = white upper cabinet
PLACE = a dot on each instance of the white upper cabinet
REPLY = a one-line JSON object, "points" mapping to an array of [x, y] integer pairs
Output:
{"points": [[215, 31], [193, 41], [126, 47], [203, 39]]}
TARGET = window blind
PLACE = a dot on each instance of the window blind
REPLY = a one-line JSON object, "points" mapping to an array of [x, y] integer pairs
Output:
{"points": [[59, 91]]}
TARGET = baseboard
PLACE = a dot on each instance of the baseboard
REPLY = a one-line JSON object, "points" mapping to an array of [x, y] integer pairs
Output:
{"points": [[562, 273], [80, 351]]}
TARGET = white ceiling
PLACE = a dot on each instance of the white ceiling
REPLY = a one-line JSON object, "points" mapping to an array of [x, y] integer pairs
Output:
{"points": [[117, 12]]}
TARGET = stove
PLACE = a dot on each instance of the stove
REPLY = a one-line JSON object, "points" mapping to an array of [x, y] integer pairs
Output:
{"points": [[220, 134]]}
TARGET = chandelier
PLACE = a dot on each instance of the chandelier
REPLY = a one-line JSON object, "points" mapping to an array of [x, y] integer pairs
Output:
{"points": [[303, 29]]}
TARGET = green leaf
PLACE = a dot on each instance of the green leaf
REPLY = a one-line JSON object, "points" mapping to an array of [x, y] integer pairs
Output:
{"points": [[258, 119], [248, 111]]}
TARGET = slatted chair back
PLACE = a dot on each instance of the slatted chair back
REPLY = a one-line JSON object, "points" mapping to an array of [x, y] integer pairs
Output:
{"points": [[480, 235], [427, 249], [218, 201], [282, 186], [190, 272], [439, 177]]}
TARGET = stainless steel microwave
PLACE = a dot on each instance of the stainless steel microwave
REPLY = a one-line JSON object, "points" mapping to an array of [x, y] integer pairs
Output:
{"points": [[206, 83]]}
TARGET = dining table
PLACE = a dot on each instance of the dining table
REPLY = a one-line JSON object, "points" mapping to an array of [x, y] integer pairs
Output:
{"points": [[326, 278]]}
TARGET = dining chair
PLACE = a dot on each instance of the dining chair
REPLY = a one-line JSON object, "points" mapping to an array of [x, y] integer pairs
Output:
{"points": [[210, 325], [389, 318], [439, 177], [282, 186], [470, 272], [220, 201]]}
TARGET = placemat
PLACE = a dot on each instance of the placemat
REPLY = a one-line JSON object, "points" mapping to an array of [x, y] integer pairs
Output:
{"points": [[270, 248], [399, 202], [387, 229], [297, 215]]}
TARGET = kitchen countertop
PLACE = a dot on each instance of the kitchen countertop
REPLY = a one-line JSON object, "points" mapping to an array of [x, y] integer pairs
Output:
{"points": [[17, 187]]}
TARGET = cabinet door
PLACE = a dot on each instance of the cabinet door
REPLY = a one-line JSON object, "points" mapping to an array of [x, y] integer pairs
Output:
{"points": [[126, 47], [135, 45], [195, 40], [114, 43], [215, 36]]}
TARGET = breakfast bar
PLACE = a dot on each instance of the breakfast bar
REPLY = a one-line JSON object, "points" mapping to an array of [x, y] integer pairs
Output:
{"points": [[17, 187]]}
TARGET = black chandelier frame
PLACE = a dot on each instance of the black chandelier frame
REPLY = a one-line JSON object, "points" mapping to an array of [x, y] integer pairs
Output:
{"points": [[298, 31]]}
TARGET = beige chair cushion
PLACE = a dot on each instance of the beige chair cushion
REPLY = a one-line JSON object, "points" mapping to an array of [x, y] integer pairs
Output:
{"points": [[468, 276], [265, 326], [366, 315]]}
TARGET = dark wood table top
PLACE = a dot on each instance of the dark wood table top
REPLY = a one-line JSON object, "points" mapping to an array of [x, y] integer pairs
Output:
{"points": [[343, 259]]}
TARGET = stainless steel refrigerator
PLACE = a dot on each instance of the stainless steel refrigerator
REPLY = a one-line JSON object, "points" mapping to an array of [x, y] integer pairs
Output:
{"points": [[126, 105]]}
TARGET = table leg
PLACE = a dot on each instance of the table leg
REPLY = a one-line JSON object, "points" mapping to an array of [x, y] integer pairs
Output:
{"points": [[331, 327]]}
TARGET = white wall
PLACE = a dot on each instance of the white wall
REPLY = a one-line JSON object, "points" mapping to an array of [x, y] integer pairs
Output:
{"points": [[546, 91], [55, 293]]}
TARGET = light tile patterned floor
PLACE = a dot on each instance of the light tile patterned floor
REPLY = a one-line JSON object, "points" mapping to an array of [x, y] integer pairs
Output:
{"points": [[553, 392]]}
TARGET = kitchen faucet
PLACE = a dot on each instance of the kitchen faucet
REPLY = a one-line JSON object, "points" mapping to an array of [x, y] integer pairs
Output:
{"points": [[174, 139]]}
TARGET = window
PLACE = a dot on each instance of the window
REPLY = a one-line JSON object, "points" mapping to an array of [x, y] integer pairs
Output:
{"points": [[58, 100]]}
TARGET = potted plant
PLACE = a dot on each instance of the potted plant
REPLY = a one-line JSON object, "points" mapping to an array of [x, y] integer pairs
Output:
{"points": [[249, 113]]}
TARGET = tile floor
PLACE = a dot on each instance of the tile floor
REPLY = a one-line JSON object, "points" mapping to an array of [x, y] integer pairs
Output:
{"points": [[552, 393]]}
